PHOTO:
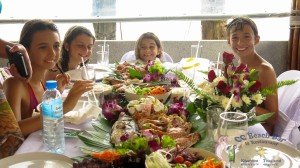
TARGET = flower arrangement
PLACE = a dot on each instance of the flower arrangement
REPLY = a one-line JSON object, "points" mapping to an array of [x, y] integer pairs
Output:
{"points": [[238, 85], [237, 81]]}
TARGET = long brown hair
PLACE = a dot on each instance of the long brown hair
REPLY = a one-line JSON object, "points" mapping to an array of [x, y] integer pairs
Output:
{"points": [[70, 35], [33, 26]]}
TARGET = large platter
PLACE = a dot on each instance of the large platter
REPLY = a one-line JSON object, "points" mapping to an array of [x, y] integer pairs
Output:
{"points": [[37, 160]]}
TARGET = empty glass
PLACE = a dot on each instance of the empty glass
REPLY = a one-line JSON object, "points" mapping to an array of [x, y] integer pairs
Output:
{"points": [[88, 73], [103, 54], [216, 66], [196, 51], [233, 126]]}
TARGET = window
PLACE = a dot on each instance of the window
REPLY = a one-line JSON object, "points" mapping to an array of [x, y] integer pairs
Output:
{"points": [[167, 30]]}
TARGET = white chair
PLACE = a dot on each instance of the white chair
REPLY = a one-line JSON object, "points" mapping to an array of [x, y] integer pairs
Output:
{"points": [[130, 57], [289, 96], [289, 108]]}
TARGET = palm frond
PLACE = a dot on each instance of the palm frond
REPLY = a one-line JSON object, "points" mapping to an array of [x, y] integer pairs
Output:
{"points": [[271, 89], [191, 84]]}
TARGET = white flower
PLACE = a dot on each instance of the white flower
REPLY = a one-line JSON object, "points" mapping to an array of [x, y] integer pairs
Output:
{"points": [[217, 80], [257, 98], [236, 103], [224, 101], [246, 99]]}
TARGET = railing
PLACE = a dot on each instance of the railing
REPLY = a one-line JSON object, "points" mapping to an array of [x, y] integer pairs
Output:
{"points": [[104, 19]]}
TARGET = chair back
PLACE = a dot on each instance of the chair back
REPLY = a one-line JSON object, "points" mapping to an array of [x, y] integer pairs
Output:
{"points": [[130, 57], [289, 108], [289, 96]]}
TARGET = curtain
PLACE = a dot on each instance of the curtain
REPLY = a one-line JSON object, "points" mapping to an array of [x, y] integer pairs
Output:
{"points": [[293, 61]]}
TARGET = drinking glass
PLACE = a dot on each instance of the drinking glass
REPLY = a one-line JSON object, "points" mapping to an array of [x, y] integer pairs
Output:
{"points": [[212, 121], [232, 126], [217, 66], [88, 73], [103, 54], [196, 51]]}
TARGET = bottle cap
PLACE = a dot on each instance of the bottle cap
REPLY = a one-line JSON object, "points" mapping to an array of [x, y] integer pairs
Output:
{"points": [[51, 84]]}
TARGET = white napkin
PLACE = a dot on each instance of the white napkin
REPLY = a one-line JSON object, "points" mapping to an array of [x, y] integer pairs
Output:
{"points": [[84, 114]]}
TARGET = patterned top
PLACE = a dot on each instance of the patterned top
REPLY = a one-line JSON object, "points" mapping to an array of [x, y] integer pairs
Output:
{"points": [[10, 134]]}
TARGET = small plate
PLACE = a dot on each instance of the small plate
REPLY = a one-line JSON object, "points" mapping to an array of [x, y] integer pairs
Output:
{"points": [[263, 153], [37, 160]]}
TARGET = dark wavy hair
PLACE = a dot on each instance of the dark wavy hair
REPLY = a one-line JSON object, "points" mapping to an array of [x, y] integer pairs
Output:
{"points": [[70, 35], [239, 22], [33, 26]]}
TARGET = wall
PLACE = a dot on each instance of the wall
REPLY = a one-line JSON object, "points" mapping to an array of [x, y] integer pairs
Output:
{"points": [[274, 52]]}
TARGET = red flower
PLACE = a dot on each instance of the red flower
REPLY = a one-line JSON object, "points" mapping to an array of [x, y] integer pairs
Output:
{"points": [[227, 58], [211, 75], [241, 68], [254, 88], [222, 86]]}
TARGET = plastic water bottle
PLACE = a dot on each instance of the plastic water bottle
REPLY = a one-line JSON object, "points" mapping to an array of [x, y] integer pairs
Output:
{"points": [[53, 123]]}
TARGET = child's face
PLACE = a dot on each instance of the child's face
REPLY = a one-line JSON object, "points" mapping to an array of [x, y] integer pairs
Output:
{"points": [[243, 41], [81, 46], [148, 50], [44, 50]]}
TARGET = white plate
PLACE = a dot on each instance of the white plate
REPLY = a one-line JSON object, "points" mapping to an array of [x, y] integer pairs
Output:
{"points": [[264, 153], [37, 160]]}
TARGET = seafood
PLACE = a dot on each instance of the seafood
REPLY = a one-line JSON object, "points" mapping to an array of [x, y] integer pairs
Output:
{"points": [[124, 124]]}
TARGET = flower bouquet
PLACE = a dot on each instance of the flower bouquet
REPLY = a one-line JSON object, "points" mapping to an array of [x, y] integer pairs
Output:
{"points": [[238, 85]]}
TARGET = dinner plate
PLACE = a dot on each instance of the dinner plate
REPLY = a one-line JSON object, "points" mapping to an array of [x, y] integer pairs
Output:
{"points": [[37, 160], [263, 153]]}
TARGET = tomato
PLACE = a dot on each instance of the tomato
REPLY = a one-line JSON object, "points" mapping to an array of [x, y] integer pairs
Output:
{"points": [[178, 159], [188, 163]]}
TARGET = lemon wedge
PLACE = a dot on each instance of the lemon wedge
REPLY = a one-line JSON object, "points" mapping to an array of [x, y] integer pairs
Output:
{"points": [[190, 66]]}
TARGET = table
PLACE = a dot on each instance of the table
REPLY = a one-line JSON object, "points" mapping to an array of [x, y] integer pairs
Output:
{"points": [[34, 142]]}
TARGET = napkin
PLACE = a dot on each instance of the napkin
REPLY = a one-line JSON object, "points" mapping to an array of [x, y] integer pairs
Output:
{"points": [[82, 115]]}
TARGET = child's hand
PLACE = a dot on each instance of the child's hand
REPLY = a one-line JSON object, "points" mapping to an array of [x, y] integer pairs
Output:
{"points": [[63, 80], [13, 70]]}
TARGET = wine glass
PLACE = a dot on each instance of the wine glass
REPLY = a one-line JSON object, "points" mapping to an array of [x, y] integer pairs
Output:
{"points": [[232, 126]]}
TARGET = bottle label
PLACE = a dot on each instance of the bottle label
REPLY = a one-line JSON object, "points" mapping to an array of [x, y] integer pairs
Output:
{"points": [[53, 108]]}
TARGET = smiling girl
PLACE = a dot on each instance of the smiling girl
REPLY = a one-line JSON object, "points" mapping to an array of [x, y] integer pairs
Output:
{"points": [[242, 36]]}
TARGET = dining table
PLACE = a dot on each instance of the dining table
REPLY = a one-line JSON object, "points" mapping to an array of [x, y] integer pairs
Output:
{"points": [[34, 142]]}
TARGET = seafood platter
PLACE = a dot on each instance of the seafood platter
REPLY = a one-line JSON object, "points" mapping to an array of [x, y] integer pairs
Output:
{"points": [[143, 125]]}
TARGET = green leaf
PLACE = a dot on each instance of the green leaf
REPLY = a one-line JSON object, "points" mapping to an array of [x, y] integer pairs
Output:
{"points": [[167, 141], [89, 149], [271, 89], [191, 108], [135, 74], [260, 118], [253, 75]]}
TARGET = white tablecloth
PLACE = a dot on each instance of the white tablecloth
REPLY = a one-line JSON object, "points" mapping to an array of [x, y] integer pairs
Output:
{"points": [[34, 142]]}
